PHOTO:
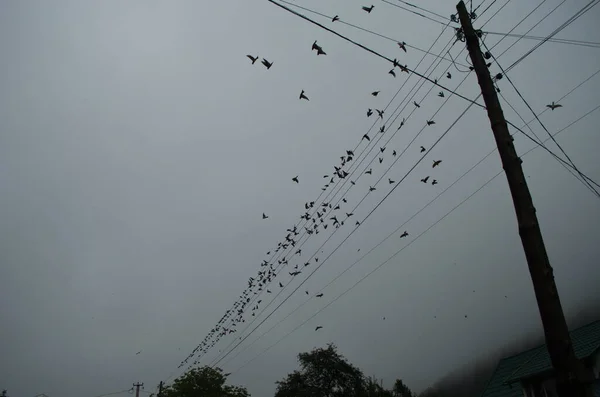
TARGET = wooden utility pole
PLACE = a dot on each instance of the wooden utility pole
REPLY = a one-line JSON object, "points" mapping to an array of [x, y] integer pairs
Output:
{"points": [[572, 379], [137, 388]]}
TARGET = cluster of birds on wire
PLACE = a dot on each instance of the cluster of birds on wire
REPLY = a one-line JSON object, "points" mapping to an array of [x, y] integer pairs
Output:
{"points": [[313, 221]]}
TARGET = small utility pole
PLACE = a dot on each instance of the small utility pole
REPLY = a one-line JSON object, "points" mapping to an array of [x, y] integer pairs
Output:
{"points": [[137, 388], [572, 380], [160, 387]]}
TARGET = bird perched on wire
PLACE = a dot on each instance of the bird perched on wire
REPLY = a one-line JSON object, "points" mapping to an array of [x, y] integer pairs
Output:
{"points": [[553, 106], [380, 113], [368, 9], [253, 59], [267, 63], [302, 96], [403, 68]]}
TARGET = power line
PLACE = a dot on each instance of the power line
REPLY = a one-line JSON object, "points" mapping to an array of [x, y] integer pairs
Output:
{"points": [[377, 182], [578, 14], [363, 29], [374, 143], [368, 49], [423, 208], [356, 228], [529, 30], [540, 122], [414, 12], [326, 28], [592, 44], [424, 9], [523, 19], [404, 247]]}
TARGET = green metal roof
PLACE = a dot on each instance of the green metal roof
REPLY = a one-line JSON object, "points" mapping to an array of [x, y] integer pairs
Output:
{"points": [[586, 340]]}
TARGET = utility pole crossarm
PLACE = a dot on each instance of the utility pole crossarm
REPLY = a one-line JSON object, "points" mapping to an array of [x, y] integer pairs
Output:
{"points": [[571, 376]]}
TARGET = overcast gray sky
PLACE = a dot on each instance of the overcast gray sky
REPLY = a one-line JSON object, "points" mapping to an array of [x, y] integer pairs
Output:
{"points": [[139, 148]]}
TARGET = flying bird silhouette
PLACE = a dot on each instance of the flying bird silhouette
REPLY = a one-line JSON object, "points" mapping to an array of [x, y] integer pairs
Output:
{"points": [[319, 295], [369, 171], [335, 18], [416, 104], [441, 94], [380, 160], [434, 182], [138, 353], [553, 106], [449, 75], [382, 149], [423, 149], [382, 129], [405, 234], [253, 59], [375, 93], [392, 72], [302, 96], [402, 46], [318, 327], [366, 137], [430, 122], [436, 163], [424, 180], [390, 181], [394, 153], [368, 9], [371, 188], [369, 112], [380, 113], [265, 216], [295, 179], [267, 63]]}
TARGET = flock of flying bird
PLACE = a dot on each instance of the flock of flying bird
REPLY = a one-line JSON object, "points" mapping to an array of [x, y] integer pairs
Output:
{"points": [[315, 219]]}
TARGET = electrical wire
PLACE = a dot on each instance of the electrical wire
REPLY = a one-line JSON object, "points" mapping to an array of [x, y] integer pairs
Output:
{"points": [[524, 18], [374, 143], [366, 48], [365, 168], [414, 12], [529, 30], [327, 29], [404, 247], [361, 28], [578, 14], [591, 44], [540, 122], [426, 10]]}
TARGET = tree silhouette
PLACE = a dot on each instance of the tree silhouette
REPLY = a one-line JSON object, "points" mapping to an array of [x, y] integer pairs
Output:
{"points": [[203, 382]]}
